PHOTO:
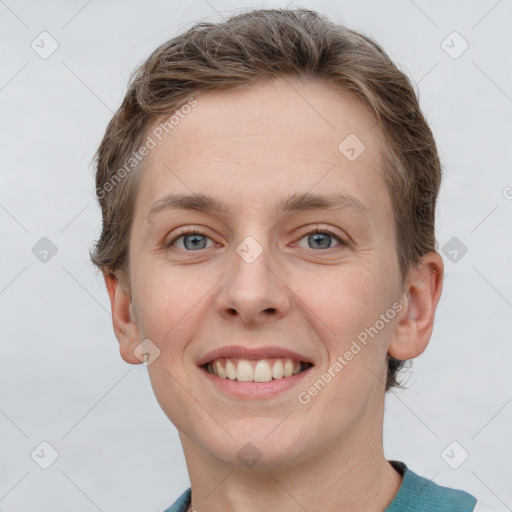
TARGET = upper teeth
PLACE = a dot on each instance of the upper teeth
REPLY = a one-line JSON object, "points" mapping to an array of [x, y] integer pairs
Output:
{"points": [[263, 370]]}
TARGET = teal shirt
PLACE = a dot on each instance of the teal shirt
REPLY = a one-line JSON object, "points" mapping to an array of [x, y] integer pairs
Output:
{"points": [[416, 494]]}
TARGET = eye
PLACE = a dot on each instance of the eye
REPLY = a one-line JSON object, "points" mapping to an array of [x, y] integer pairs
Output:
{"points": [[322, 238], [192, 240]]}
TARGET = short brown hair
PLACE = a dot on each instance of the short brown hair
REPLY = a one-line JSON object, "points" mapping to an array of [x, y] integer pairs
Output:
{"points": [[269, 44]]}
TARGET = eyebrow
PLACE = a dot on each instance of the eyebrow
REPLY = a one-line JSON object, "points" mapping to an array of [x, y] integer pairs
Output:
{"points": [[294, 202]]}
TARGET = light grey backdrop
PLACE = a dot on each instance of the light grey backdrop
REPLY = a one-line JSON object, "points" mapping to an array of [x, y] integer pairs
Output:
{"points": [[62, 380]]}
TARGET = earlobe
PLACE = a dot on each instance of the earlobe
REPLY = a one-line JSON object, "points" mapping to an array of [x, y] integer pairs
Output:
{"points": [[416, 322], [123, 318]]}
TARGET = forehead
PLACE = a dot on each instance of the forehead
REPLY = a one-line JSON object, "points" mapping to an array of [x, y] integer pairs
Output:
{"points": [[259, 144]]}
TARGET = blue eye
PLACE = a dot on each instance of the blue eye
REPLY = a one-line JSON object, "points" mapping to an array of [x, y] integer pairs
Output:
{"points": [[321, 239], [193, 240]]}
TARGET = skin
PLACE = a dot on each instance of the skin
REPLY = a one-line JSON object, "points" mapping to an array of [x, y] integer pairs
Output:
{"points": [[274, 138]]}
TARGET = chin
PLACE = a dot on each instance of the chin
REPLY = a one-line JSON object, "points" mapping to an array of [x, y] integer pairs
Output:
{"points": [[267, 448]]}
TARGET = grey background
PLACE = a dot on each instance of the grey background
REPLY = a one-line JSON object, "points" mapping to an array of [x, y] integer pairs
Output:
{"points": [[61, 377]]}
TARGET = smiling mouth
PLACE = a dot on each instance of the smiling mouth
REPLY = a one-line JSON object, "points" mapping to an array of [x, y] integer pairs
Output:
{"points": [[261, 370]]}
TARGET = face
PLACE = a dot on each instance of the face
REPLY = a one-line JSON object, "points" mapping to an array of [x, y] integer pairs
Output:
{"points": [[295, 261]]}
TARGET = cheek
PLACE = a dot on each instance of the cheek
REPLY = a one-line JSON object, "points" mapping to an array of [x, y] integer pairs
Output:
{"points": [[169, 309], [346, 305], [167, 304], [344, 299]]}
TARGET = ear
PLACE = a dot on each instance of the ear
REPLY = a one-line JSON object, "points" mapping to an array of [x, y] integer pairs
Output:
{"points": [[123, 318], [416, 321]]}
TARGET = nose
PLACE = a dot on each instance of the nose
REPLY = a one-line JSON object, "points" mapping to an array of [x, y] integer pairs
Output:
{"points": [[254, 291]]}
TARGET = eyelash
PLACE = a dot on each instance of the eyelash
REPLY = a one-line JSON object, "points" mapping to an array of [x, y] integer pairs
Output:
{"points": [[194, 231]]}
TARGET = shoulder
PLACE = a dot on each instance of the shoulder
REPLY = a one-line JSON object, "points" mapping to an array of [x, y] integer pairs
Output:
{"points": [[419, 494], [181, 504]]}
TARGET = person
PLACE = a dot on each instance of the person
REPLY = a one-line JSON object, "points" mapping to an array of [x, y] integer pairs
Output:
{"points": [[268, 190]]}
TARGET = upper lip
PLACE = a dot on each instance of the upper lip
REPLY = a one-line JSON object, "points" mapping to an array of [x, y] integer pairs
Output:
{"points": [[240, 352]]}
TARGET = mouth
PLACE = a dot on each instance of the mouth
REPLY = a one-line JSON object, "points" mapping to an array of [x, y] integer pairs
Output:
{"points": [[250, 373], [255, 370]]}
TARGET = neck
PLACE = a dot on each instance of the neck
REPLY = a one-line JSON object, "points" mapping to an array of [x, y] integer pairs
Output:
{"points": [[349, 475]]}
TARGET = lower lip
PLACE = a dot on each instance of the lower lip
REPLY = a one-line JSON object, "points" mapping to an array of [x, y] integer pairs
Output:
{"points": [[255, 390]]}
